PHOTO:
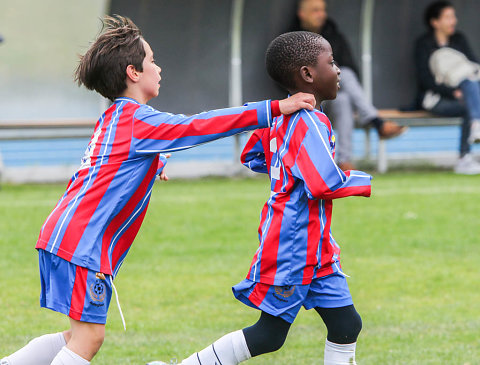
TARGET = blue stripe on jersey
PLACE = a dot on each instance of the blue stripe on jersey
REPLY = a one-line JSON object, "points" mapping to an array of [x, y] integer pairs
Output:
{"points": [[109, 137], [67, 214]]}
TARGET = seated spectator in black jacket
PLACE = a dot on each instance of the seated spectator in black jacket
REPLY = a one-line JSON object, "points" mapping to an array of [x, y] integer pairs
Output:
{"points": [[312, 16], [447, 73]]}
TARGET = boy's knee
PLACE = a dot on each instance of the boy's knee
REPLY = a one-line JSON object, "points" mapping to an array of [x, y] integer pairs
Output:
{"points": [[262, 342], [343, 324], [267, 335], [346, 330], [86, 339], [97, 338], [277, 341]]}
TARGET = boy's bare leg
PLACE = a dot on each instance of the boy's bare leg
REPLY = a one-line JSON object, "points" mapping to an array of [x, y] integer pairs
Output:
{"points": [[39, 351], [85, 341]]}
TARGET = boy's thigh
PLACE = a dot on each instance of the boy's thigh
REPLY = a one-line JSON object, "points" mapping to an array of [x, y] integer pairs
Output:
{"points": [[75, 291], [328, 292]]}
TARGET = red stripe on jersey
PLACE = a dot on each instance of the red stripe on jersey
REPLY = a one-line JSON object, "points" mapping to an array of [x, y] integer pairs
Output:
{"points": [[126, 239], [78, 293], [275, 106], [324, 271], [313, 239], [197, 127], [295, 142], [364, 190], [122, 217], [52, 221], [327, 247], [324, 119], [310, 174], [92, 198], [259, 293]]}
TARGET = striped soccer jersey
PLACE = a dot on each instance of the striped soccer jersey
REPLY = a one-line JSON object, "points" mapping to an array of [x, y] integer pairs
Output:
{"points": [[96, 220], [296, 243]]}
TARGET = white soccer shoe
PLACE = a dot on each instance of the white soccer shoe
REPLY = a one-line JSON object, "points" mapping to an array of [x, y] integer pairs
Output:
{"points": [[474, 136], [172, 362]]}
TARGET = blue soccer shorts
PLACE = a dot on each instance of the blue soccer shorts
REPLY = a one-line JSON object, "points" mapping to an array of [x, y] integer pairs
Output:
{"points": [[285, 301], [75, 291]]}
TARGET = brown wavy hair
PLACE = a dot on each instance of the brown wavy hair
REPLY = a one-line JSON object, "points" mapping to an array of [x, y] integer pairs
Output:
{"points": [[103, 67]]}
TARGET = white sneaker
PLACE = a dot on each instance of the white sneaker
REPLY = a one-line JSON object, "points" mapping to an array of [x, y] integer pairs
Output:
{"points": [[467, 166], [474, 136]]}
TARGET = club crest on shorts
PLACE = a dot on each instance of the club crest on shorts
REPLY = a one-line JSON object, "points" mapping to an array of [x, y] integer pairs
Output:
{"points": [[98, 291], [285, 291]]}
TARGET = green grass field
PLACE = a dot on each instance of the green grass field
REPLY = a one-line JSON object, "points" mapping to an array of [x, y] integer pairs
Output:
{"points": [[412, 251]]}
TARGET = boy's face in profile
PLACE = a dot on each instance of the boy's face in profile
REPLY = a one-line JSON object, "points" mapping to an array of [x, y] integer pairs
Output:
{"points": [[325, 74], [149, 81]]}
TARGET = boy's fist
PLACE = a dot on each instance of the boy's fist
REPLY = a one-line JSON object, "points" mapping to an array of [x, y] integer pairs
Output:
{"points": [[296, 102]]}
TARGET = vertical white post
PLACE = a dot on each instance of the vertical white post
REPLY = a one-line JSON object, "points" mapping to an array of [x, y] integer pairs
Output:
{"points": [[366, 29], [368, 7], [235, 85]]}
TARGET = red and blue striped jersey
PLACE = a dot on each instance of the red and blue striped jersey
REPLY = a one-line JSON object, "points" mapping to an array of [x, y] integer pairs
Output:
{"points": [[96, 220], [296, 243]]}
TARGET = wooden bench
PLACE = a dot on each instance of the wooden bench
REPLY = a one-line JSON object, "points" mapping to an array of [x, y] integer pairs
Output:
{"points": [[417, 118]]}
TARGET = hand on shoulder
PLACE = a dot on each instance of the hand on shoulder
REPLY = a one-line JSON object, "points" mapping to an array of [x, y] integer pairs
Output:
{"points": [[296, 102]]}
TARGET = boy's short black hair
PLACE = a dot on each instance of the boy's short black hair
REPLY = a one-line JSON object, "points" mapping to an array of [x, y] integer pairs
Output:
{"points": [[434, 10], [287, 53], [103, 67]]}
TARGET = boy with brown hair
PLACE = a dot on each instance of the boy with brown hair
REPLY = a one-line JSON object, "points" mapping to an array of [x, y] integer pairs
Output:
{"points": [[86, 237]]}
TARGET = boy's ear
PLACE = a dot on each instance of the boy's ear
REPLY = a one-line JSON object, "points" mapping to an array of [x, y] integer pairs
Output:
{"points": [[132, 73], [306, 75]]}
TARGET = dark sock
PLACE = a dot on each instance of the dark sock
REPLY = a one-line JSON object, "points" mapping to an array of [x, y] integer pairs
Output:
{"points": [[377, 123]]}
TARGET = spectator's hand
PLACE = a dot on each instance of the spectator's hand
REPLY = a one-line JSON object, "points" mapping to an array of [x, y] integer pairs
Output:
{"points": [[458, 94], [163, 176], [296, 102]]}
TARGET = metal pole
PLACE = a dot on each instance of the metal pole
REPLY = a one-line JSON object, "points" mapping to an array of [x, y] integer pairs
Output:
{"points": [[366, 31], [366, 28], [235, 97]]}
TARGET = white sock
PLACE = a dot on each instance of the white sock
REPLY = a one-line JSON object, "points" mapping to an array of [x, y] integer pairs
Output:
{"points": [[230, 349], [39, 351], [68, 357], [337, 354]]}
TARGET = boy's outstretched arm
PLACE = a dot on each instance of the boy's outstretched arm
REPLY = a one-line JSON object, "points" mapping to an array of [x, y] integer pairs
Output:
{"points": [[314, 164], [154, 131]]}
